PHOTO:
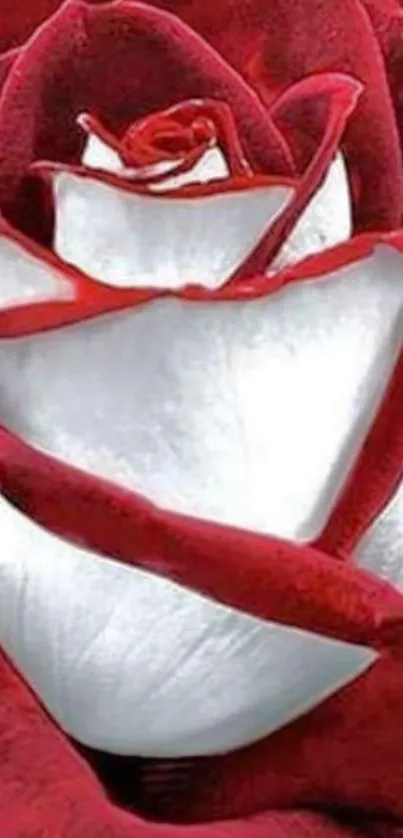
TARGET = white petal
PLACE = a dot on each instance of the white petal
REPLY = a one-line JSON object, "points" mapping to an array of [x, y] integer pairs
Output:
{"points": [[381, 549], [134, 664], [327, 220], [98, 155], [250, 413], [126, 239], [211, 166], [25, 278]]}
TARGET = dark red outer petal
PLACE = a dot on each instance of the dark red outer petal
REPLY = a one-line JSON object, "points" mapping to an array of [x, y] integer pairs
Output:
{"points": [[302, 37], [378, 469], [49, 790], [346, 753], [6, 62], [70, 67], [387, 20]]}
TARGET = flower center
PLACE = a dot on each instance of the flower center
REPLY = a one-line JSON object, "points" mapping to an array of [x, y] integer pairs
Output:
{"points": [[181, 132]]}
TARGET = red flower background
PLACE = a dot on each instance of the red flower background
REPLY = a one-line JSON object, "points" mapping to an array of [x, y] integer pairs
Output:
{"points": [[312, 75]]}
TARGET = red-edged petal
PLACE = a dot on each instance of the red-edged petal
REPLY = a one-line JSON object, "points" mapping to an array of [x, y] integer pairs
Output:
{"points": [[330, 597], [70, 67], [188, 676], [48, 787], [325, 222], [339, 96], [209, 390], [126, 235], [346, 753], [299, 586], [6, 62], [342, 40]]}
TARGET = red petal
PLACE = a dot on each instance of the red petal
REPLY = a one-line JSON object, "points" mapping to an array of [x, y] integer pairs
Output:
{"points": [[48, 789], [120, 61], [6, 62], [336, 98], [347, 753], [387, 20], [341, 39]]}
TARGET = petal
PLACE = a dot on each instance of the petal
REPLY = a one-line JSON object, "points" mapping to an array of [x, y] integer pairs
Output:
{"points": [[71, 797], [69, 68], [127, 238], [26, 278], [290, 50], [381, 548], [188, 676], [99, 155], [211, 167], [376, 474], [336, 99], [326, 221], [18, 20], [250, 413], [6, 62]]}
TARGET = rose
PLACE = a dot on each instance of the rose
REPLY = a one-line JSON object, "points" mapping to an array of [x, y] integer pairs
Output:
{"points": [[225, 382]]}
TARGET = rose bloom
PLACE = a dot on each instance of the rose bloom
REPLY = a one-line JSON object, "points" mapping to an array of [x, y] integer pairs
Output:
{"points": [[201, 411]]}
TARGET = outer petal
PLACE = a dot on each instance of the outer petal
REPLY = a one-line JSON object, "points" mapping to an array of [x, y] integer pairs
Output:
{"points": [[48, 789], [291, 49], [188, 676], [19, 20], [381, 548], [73, 61], [260, 576]]}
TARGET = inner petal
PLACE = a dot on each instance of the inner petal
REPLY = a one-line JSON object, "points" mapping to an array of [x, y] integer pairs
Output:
{"points": [[126, 238], [210, 166], [249, 413]]}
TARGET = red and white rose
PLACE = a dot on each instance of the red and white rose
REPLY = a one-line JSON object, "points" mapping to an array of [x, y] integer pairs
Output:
{"points": [[201, 388]]}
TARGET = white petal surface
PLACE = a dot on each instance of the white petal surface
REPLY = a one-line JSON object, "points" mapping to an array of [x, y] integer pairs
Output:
{"points": [[125, 239], [98, 154], [326, 221], [249, 413], [133, 664], [211, 166], [26, 279], [381, 549]]}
